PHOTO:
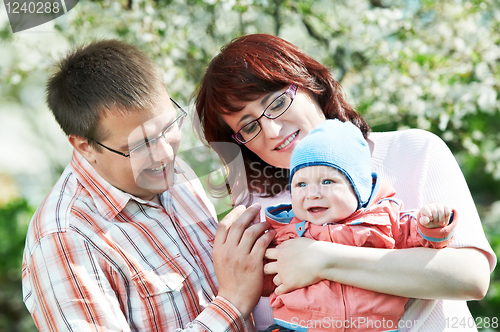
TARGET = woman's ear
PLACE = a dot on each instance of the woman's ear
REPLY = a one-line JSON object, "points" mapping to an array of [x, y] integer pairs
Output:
{"points": [[81, 144]]}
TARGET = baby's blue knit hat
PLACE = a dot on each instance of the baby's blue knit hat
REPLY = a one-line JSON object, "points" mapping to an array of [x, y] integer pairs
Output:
{"points": [[340, 145]]}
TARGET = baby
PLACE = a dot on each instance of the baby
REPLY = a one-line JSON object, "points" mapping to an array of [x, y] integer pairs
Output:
{"points": [[336, 198]]}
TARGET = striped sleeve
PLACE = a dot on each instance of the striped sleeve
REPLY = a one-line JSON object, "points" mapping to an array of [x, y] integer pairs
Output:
{"points": [[220, 315], [70, 285]]}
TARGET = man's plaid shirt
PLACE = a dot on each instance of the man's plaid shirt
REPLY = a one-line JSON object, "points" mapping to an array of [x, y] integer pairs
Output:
{"points": [[99, 259]]}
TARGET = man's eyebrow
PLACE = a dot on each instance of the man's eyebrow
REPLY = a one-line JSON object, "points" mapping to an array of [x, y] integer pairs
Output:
{"points": [[127, 146], [139, 141]]}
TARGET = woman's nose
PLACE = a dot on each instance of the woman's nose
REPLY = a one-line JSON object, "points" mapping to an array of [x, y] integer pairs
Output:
{"points": [[270, 128]]}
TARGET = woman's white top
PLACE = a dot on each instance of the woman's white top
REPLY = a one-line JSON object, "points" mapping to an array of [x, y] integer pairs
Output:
{"points": [[422, 169]]}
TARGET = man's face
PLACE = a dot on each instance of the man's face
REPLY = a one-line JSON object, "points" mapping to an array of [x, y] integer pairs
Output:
{"points": [[150, 168]]}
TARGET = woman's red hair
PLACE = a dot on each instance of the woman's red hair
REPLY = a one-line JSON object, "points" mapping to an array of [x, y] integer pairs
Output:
{"points": [[245, 70]]}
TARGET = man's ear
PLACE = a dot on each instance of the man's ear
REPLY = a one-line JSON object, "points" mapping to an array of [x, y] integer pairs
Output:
{"points": [[81, 144]]}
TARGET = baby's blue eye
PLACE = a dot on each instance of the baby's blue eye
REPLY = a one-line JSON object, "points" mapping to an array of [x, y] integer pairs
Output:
{"points": [[327, 181], [301, 184]]}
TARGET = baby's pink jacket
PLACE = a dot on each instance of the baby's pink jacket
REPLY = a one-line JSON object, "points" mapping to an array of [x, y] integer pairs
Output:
{"points": [[330, 306]]}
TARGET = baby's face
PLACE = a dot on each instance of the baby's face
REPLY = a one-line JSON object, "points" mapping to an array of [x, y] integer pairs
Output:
{"points": [[322, 194]]}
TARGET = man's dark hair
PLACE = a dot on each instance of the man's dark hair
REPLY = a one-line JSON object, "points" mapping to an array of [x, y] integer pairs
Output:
{"points": [[102, 76]]}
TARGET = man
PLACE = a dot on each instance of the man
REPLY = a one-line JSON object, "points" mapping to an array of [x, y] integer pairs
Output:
{"points": [[124, 239]]}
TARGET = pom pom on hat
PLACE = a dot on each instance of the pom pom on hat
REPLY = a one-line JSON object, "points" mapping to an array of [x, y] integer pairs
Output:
{"points": [[340, 145]]}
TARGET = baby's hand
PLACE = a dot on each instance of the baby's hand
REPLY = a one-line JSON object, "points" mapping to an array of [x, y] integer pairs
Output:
{"points": [[434, 215]]}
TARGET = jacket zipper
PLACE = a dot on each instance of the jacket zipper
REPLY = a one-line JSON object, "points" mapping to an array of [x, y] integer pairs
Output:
{"points": [[344, 311]]}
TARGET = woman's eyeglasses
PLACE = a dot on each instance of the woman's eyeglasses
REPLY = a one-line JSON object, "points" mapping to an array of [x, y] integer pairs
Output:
{"points": [[275, 109]]}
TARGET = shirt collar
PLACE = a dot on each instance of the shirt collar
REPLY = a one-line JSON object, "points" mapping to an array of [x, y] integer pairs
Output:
{"points": [[109, 200]]}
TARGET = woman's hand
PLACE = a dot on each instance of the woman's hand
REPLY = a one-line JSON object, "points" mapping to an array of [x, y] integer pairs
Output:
{"points": [[299, 263], [238, 256]]}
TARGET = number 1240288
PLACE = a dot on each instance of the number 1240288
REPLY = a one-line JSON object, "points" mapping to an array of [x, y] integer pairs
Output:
{"points": [[40, 7]]}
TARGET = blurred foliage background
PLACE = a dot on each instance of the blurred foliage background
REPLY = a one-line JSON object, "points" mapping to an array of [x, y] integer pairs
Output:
{"points": [[424, 64]]}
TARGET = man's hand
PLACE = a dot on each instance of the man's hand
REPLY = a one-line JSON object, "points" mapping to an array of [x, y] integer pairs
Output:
{"points": [[238, 256]]}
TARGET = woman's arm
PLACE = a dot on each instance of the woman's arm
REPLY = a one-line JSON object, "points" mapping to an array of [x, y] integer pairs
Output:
{"points": [[455, 274]]}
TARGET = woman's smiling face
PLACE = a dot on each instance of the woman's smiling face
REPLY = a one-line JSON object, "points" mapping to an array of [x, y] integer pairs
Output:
{"points": [[278, 137]]}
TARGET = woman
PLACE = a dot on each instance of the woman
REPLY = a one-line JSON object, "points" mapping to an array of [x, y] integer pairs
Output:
{"points": [[266, 94]]}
